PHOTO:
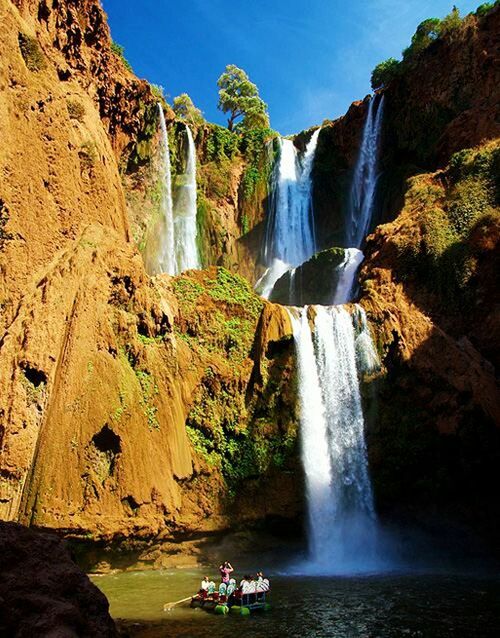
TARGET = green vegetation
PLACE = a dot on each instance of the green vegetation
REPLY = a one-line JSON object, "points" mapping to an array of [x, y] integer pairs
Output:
{"points": [[187, 292], [76, 110], [149, 390], [427, 32], [258, 167], [34, 393], [147, 341], [142, 151], [216, 333], [88, 154], [485, 8], [31, 52], [157, 91], [221, 144], [187, 111], [450, 211], [233, 289], [239, 97], [385, 72], [217, 428], [119, 51]]}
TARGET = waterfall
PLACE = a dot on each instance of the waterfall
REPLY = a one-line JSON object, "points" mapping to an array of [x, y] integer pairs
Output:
{"points": [[341, 519], [166, 260], [347, 272], [290, 236], [362, 196], [186, 249]]}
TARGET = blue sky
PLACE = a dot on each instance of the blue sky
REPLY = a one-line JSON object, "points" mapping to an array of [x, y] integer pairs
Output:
{"points": [[309, 58]]}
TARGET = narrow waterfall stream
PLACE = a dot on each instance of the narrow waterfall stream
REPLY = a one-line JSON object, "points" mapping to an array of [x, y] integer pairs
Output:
{"points": [[366, 175], [177, 246], [290, 238], [361, 200], [342, 529], [166, 258], [186, 249]]}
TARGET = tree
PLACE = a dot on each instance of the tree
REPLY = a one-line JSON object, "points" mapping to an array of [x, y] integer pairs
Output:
{"points": [[239, 97], [427, 31], [186, 110], [385, 72]]}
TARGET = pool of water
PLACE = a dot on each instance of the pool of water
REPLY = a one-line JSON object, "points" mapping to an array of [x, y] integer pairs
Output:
{"points": [[390, 605]]}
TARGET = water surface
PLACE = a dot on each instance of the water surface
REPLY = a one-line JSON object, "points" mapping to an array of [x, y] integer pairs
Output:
{"points": [[423, 605]]}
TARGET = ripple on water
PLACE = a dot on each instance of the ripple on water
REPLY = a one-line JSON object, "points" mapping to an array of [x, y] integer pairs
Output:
{"points": [[422, 605]]}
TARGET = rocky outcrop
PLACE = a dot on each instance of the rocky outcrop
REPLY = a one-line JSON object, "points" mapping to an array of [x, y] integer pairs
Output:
{"points": [[121, 392], [444, 101], [313, 282], [435, 445], [43, 592]]}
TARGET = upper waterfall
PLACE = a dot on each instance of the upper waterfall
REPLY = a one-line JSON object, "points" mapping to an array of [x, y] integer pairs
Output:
{"points": [[166, 257], [186, 249], [290, 237], [364, 183]]}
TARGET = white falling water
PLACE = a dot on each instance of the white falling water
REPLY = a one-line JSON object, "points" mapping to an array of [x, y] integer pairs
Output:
{"points": [[290, 236], [362, 197], [347, 272], [166, 258], [342, 523], [186, 249]]}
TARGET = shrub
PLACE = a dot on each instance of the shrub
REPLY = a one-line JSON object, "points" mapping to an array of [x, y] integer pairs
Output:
{"points": [[157, 91], [31, 52], [119, 51], [221, 144], [76, 110], [87, 154], [485, 8], [427, 31], [385, 72], [450, 24]]}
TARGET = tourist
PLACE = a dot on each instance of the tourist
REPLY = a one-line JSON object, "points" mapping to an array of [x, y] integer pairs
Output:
{"points": [[245, 584], [231, 587], [225, 569], [262, 583], [204, 584]]}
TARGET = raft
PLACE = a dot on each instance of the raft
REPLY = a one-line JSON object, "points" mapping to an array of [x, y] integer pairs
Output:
{"points": [[243, 606]]}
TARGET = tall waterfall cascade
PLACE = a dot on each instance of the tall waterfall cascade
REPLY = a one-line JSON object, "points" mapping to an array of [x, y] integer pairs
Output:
{"points": [[290, 238], [342, 526], [178, 250], [361, 200], [366, 175], [166, 256], [185, 228]]}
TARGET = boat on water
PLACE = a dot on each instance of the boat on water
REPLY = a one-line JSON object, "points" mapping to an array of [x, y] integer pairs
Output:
{"points": [[242, 604]]}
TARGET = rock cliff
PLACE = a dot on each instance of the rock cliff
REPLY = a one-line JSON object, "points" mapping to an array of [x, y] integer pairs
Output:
{"points": [[137, 406]]}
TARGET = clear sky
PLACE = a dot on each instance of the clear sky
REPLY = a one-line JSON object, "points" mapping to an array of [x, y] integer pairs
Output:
{"points": [[309, 58]]}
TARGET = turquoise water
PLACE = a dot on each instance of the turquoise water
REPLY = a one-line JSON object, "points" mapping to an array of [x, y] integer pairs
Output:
{"points": [[423, 605]]}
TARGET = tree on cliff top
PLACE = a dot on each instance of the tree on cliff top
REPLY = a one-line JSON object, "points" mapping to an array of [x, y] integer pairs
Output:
{"points": [[239, 97], [186, 110]]}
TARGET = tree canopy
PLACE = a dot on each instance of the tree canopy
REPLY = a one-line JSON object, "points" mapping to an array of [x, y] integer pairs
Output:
{"points": [[186, 110], [239, 97]]}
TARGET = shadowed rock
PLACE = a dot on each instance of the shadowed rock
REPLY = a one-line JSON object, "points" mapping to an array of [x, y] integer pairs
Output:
{"points": [[313, 282]]}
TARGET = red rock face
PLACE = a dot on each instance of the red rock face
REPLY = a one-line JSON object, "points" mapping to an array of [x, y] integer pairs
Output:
{"points": [[43, 592]]}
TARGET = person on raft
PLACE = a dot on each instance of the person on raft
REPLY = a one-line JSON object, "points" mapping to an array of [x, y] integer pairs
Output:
{"points": [[225, 569], [205, 583]]}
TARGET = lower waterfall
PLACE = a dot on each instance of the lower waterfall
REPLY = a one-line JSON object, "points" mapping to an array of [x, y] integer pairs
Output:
{"points": [[342, 525]]}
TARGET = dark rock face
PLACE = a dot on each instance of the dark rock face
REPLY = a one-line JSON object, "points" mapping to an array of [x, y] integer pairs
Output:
{"points": [[43, 592], [313, 282]]}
